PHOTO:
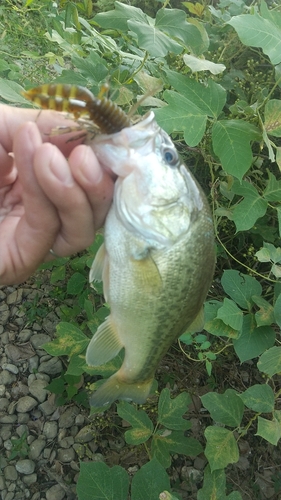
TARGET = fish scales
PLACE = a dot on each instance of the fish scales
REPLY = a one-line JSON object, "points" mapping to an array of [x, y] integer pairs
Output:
{"points": [[158, 260]]}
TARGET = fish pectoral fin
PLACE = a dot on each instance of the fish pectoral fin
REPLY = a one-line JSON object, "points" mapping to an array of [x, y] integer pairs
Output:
{"points": [[104, 345], [114, 389], [197, 324], [147, 275], [97, 267]]}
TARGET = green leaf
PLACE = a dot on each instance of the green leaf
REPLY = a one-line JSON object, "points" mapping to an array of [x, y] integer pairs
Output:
{"points": [[232, 144], [270, 361], [165, 441], [140, 421], [253, 340], [277, 311], [56, 386], [246, 213], [117, 19], [231, 314], [213, 486], [270, 429], [214, 325], [99, 482], [221, 448], [170, 411], [11, 92], [265, 315], [151, 39], [149, 481], [224, 408], [181, 115], [70, 340], [240, 287], [76, 284], [197, 64], [272, 117], [259, 397], [255, 31]]}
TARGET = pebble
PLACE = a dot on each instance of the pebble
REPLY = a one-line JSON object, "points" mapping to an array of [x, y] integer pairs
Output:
{"points": [[25, 466], [26, 404], [50, 430], [52, 366], [66, 455], [67, 418], [85, 434], [37, 389], [10, 473], [30, 479], [39, 339], [7, 378], [55, 493], [11, 368], [36, 448]]}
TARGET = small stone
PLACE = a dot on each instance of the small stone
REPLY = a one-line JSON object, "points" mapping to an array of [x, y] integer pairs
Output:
{"points": [[50, 430], [2, 390], [52, 367], [6, 431], [26, 403], [36, 448], [37, 389], [24, 335], [2, 483], [25, 466], [30, 479], [8, 419], [10, 473], [66, 442], [11, 368], [55, 493], [33, 363], [47, 408], [9, 496], [36, 496], [23, 418], [85, 434], [80, 419], [7, 378], [39, 339], [4, 403], [66, 455], [67, 418], [15, 297]]}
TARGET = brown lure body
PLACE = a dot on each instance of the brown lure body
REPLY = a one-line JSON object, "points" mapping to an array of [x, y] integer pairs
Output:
{"points": [[81, 103]]}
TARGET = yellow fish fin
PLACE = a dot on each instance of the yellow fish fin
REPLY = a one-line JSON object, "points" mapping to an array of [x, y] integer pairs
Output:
{"points": [[96, 270], [197, 324], [104, 345], [114, 389], [147, 275]]}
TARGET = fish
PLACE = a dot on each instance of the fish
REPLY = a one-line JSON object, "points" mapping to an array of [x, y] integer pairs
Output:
{"points": [[157, 261]]}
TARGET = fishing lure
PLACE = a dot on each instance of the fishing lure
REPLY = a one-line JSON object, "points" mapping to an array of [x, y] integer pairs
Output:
{"points": [[82, 104]]}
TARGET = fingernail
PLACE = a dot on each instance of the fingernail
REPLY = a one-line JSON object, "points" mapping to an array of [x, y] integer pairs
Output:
{"points": [[90, 167]]}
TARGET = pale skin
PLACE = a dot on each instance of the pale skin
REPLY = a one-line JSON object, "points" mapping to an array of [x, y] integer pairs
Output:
{"points": [[46, 200]]}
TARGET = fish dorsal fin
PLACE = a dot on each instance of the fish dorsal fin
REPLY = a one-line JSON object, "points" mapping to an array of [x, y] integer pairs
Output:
{"points": [[98, 265], [197, 324], [104, 345]]}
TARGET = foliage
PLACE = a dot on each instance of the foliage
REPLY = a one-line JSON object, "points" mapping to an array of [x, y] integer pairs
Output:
{"points": [[212, 75], [20, 447]]}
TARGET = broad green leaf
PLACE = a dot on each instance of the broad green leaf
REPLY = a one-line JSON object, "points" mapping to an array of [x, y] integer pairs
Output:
{"points": [[181, 115], [197, 64], [263, 255], [259, 397], [271, 14], [165, 442], [139, 420], [213, 486], [272, 114], [76, 365], [251, 208], [70, 341], [232, 144], [165, 495], [255, 31], [154, 41], [118, 18], [234, 495], [270, 361], [100, 482], [240, 287], [221, 448], [277, 311], [265, 315], [11, 92], [209, 99], [170, 411], [270, 429], [224, 408], [274, 252], [278, 156], [214, 325], [173, 22], [76, 283], [253, 340], [276, 270], [149, 481], [231, 314]]}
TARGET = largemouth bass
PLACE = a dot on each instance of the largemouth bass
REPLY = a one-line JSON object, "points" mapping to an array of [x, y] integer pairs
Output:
{"points": [[157, 261]]}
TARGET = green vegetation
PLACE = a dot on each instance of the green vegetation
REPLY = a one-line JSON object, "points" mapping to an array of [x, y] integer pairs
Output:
{"points": [[212, 75]]}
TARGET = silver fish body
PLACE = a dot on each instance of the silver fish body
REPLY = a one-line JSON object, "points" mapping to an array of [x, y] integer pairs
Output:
{"points": [[157, 262]]}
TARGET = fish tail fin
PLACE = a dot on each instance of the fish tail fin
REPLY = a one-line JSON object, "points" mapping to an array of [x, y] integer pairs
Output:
{"points": [[114, 388]]}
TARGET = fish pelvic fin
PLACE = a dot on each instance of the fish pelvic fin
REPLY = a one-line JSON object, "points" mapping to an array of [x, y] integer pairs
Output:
{"points": [[114, 388], [104, 345]]}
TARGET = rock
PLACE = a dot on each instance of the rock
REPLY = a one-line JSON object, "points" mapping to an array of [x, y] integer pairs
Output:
{"points": [[67, 418], [10, 473], [55, 493], [2, 483], [11, 368], [52, 367], [66, 442], [15, 297], [26, 404], [4, 314], [24, 335], [2, 390], [36, 448], [47, 408], [25, 466], [7, 378], [37, 389], [85, 434], [8, 419], [30, 479], [4, 403], [66, 455], [50, 430], [19, 352], [39, 339]]}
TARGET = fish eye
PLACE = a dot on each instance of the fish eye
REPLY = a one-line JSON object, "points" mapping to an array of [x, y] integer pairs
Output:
{"points": [[170, 156]]}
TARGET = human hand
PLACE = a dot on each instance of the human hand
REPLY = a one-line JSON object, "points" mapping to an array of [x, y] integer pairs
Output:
{"points": [[45, 201]]}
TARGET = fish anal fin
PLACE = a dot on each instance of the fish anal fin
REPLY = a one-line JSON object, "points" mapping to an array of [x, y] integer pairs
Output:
{"points": [[115, 388], [104, 345], [96, 270]]}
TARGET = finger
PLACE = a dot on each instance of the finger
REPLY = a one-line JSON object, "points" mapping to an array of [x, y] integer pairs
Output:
{"points": [[94, 180], [77, 228]]}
